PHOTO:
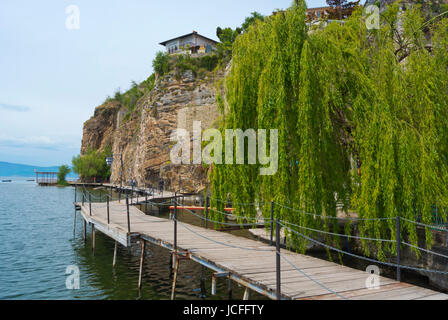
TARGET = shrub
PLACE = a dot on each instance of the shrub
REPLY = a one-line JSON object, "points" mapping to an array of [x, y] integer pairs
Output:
{"points": [[209, 62], [62, 175], [92, 164], [161, 63]]}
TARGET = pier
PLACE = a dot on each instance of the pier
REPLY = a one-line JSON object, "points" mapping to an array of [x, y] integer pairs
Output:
{"points": [[262, 267], [46, 178]]}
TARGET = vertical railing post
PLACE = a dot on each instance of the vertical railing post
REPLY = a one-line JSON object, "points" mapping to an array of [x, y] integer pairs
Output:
{"points": [[272, 223], [90, 204], [277, 243], [76, 191], [146, 203], [207, 204], [132, 194], [108, 217], [127, 212], [175, 224], [83, 198], [398, 250]]}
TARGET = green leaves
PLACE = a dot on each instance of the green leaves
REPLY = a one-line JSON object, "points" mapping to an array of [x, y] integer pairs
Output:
{"points": [[343, 96], [92, 164], [62, 174], [161, 63]]}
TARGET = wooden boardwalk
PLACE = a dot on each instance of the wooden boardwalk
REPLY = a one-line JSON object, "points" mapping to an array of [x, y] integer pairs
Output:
{"points": [[253, 267]]}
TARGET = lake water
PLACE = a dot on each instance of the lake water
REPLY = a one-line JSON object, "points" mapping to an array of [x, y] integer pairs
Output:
{"points": [[37, 245]]}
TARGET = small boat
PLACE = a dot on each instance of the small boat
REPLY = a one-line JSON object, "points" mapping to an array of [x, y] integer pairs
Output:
{"points": [[6, 180], [32, 180]]}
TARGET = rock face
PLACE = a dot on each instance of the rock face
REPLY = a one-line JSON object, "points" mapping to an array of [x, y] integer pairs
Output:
{"points": [[98, 131], [142, 138]]}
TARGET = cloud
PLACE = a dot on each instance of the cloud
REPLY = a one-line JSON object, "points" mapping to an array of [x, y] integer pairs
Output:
{"points": [[10, 107], [39, 142]]}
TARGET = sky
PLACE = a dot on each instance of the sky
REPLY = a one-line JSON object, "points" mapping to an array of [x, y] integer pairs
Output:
{"points": [[52, 75]]}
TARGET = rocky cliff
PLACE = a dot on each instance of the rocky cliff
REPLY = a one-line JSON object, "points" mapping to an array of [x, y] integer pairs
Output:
{"points": [[142, 137]]}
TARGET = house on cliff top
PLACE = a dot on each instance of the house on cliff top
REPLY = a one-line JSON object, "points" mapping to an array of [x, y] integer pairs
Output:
{"points": [[193, 42]]}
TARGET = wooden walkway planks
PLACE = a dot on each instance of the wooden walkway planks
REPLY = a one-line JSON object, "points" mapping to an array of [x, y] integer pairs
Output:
{"points": [[254, 268]]}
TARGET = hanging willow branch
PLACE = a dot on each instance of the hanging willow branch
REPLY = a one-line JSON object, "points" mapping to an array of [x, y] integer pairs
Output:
{"points": [[340, 99]]}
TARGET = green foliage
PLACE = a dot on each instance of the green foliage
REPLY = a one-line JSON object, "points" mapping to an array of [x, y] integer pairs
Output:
{"points": [[130, 98], [161, 63], [118, 96], [227, 36], [92, 164], [62, 175], [149, 83], [252, 19], [340, 96], [184, 62], [208, 62]]}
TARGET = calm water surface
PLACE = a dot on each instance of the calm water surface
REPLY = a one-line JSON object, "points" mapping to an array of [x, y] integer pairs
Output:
{"points": [[37, 245]]}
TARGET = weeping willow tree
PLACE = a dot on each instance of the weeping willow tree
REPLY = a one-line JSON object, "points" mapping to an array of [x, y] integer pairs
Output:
{"points": [[362, 118]]}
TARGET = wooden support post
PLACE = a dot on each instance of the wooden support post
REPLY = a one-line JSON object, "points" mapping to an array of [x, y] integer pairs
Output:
{"points": [[213, 285], [215, 276], [246, 294], [203, 294], [272, 223], [114, 262], [74, 224], [142, 260], [176, 270], [108, 210], [398, 250], [278, 271], [229, 288], [93, 238], [90, 204], [83, 198], [76, 191]]}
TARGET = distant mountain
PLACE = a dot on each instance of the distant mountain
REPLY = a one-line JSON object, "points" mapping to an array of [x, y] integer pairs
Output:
{"points": [[22, 170]]}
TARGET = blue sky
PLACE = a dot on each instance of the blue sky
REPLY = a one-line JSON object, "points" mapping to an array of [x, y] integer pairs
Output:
{"points": [[52, 78]]}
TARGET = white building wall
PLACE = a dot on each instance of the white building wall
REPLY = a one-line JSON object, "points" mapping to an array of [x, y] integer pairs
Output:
{"points": [[175, 46]]}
